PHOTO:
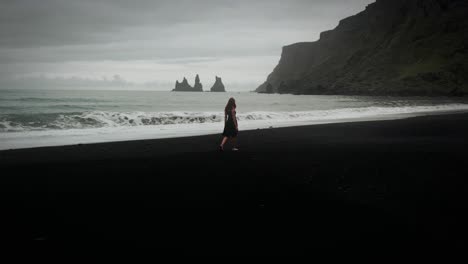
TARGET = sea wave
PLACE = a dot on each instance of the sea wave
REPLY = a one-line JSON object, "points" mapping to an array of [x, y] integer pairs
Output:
{"points": [[99, 119], [51, 100]]}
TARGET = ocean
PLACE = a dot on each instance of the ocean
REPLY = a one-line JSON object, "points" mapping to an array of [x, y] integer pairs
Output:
{"points": [[35, 118]]}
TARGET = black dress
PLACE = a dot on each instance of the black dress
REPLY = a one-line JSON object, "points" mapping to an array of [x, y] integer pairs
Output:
{"points": [[229, 126]]}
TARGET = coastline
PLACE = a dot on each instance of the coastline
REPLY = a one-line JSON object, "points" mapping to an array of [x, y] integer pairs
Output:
{"points": [[389, 186], [51, 138]]}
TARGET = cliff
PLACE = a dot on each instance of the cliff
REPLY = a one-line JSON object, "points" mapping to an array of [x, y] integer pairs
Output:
{"points": [[393, 47]]}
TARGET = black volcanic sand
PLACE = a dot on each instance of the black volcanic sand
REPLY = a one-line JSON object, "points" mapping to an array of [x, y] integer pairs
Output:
{"points": [[382, 186]]}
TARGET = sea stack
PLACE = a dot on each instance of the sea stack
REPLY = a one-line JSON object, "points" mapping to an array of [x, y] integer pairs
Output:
{"points": [[198, 86], [218, 86], [184, 86]]}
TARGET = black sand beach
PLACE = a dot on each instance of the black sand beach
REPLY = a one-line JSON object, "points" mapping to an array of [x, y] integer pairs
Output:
{"points": [[383, 186]]}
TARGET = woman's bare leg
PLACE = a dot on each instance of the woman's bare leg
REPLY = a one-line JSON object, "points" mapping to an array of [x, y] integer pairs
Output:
{"points": [[224, 141]]}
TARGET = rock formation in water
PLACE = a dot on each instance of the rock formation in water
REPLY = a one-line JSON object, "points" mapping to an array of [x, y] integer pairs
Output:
{"points": [[393, 47], [184, 86], [218, 86], [198, 86]]}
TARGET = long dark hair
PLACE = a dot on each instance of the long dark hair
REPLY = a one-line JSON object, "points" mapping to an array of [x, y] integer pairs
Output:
{"points": [[230, 105]]}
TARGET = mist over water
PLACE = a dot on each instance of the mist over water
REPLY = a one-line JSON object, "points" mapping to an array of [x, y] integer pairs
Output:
{"points": [[62, 117]]}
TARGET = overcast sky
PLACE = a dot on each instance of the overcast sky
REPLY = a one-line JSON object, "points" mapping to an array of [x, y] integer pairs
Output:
{"points": [[159, 41]]}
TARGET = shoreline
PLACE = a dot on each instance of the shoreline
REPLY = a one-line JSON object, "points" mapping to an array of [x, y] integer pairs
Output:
{"points": [[110, 134]]}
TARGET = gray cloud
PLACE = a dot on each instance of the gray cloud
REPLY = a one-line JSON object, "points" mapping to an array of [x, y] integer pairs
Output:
{"points": [[58, 31], [32, 23]]}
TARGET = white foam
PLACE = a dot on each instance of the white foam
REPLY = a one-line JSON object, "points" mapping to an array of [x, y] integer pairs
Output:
{"points": [[119, 128]]}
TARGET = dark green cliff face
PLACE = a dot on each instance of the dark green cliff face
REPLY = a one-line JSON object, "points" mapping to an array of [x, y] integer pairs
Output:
{"points": [[394, 47]]}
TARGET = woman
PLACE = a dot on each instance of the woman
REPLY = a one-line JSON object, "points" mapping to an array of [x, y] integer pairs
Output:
{"points": [[230, 124]]}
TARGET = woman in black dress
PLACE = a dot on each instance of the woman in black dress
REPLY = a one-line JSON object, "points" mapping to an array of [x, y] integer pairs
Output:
{"points": [[230, 124]]}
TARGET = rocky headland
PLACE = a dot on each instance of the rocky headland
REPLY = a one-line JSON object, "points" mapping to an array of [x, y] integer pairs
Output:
{"points": [[393, 47]]}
